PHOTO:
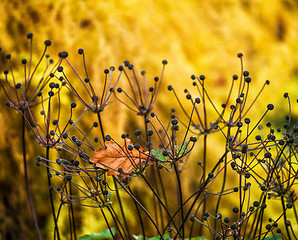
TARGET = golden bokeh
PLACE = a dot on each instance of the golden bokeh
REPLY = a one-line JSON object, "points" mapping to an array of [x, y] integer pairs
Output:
{"points": [[195, 37]]}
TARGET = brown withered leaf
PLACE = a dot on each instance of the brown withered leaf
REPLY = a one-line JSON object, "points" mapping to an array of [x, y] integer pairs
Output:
{"points": [[114, 157]]}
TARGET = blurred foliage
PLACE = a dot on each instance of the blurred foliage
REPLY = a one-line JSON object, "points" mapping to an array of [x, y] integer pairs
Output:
{"points": [[105, 234], [196, 37]]}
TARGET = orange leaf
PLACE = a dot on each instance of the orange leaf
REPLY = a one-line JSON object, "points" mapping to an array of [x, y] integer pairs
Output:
{"points": [[114, 157]]}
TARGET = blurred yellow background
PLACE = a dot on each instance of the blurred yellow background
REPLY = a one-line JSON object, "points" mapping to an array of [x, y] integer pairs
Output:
{"points": [[196, 37]]}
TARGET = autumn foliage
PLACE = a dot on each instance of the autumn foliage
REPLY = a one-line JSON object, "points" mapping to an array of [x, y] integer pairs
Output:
{"points": [[239, 180], [120, 160]]}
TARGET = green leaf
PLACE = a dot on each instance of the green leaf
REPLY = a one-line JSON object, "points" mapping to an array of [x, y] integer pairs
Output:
{"points": [[166, 237], [275, 237], [140, 237], [198, 238], [109, 195], [181, 149], [158, 154], [103, 235], [103, 204]]}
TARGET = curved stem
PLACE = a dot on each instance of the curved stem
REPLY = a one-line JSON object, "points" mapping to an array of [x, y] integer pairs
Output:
{"points": [[204, 175], [285, 216], [72, 219], [139, 214], [222, 189], [160, 202], [29, 196], [51, 194], [144, 209], [107, 222], [121, 208], [180, 198], [101, 127]]}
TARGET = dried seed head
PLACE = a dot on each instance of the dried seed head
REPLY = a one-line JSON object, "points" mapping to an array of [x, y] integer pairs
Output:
{"points": [[47, 43], [80, 51]]}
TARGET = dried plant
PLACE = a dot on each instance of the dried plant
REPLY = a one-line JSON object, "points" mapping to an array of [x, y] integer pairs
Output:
{"points": [[87, 168]]}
